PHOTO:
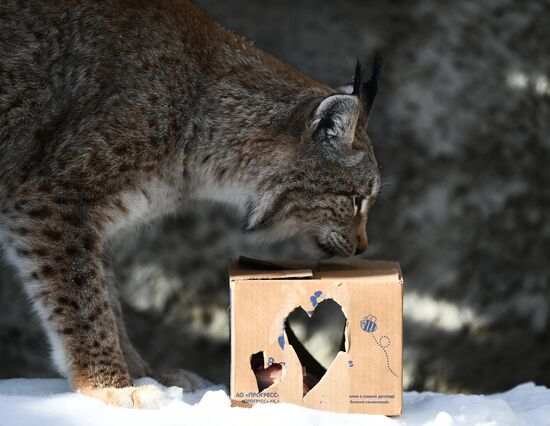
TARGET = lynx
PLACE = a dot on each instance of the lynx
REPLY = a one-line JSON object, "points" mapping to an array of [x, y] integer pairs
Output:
{"points": [[116, 112]]}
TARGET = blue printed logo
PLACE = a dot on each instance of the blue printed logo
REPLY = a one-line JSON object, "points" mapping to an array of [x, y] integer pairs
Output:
{"points": [[368, 324], [281, 340], [315, 299]]}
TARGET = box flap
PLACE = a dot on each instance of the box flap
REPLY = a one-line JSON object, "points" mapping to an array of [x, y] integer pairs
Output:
{"points": [[246, 268], [389, 271]]}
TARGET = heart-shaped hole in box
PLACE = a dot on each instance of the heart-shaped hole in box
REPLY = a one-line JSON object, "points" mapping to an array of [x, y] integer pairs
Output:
{"points": [[316, 337]]}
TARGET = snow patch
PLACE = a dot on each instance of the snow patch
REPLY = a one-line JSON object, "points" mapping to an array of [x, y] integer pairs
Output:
{"points": [[50, 402]]}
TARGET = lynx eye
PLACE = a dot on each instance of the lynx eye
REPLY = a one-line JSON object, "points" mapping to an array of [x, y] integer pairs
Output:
{"points": [[360, 205], [357, 202]]}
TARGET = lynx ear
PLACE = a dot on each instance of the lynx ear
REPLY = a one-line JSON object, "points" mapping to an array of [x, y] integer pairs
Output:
{"points": [[334, 121]]}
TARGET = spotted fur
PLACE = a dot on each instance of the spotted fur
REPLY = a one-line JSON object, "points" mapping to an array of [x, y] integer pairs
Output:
{"points": [[113, 113]]}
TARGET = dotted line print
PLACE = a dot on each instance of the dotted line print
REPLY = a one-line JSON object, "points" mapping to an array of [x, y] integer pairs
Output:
{"points": [[383, 347]]}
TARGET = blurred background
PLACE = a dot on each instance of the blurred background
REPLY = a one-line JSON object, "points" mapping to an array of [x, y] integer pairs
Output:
{"points": [[461, 127]]}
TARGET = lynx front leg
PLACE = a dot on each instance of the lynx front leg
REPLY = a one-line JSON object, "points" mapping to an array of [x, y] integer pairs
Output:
{"points": [[57, 252]]}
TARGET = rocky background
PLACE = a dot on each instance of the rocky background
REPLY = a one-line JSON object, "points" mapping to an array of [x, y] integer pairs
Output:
{"points": [[462, 130]]}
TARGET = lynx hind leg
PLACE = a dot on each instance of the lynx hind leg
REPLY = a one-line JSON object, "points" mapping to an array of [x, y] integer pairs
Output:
{"points": [[137, 367], [57, 254], [184, 379]]}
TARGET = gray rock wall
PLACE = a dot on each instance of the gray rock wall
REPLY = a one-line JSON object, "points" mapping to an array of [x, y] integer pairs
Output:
{"points": [[462, 130]]}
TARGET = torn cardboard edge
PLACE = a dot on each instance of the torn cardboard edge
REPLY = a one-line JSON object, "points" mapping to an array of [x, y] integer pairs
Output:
{"points": [[339, 389]]}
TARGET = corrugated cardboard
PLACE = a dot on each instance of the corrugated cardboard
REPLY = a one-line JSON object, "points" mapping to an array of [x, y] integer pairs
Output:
{"points": [[365, 378]]}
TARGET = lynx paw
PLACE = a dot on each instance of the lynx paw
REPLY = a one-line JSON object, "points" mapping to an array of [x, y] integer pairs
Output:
{"points": [[147, 396], [184, 379]]}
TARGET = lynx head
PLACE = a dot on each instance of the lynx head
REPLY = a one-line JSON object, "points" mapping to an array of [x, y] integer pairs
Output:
{"points": [[324, 196]]}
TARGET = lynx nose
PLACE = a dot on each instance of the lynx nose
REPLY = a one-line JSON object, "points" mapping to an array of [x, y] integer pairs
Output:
{"points": [[362, 243]]}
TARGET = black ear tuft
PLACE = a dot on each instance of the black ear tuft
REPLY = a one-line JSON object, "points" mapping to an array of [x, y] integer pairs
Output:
{"points": [[357, 79], [369, 89]]}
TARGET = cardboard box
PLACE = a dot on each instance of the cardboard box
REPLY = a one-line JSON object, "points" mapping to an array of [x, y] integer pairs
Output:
{"points": [[366, 374]]}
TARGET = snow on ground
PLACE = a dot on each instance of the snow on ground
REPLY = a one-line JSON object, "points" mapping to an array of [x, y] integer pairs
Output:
{"points": [[50, 402]]}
